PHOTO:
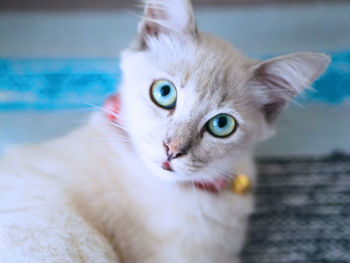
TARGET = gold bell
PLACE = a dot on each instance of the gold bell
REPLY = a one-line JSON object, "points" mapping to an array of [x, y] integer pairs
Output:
{"points": [[241, 184]]}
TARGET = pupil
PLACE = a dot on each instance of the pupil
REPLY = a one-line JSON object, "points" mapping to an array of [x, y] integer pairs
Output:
{"points": [[164, 91], [222, 121]]}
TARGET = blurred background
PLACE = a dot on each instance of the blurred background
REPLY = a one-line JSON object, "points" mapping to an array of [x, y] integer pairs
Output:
{"points": [[59, 60], [119, 4]]}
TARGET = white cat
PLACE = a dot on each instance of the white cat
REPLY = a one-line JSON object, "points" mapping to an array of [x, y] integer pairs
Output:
{"points": [[154, 185]]}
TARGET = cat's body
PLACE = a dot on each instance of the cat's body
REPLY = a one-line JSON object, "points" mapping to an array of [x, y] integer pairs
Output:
{"points": [[57, 196], [192, 107]]}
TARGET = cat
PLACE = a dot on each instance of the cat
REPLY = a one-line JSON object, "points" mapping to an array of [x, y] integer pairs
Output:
{"points": [[149, 178]]}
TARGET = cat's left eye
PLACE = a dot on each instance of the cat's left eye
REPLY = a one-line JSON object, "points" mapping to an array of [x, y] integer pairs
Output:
{"points": [[222, 125], [164, 94]]}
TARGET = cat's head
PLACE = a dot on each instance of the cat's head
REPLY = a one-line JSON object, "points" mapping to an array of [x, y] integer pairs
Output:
{"points": [[195, 105]]}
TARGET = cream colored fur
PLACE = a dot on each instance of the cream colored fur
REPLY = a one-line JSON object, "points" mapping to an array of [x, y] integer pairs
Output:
{"points": [[99, 193], [82, 197]]}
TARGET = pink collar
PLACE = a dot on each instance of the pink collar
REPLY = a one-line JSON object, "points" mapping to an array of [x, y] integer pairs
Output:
{"points": [[213, 187], [112, 107]]}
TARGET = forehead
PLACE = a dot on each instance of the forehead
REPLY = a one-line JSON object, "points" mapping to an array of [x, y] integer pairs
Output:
{"points": [[204, 71], [207, 80]]}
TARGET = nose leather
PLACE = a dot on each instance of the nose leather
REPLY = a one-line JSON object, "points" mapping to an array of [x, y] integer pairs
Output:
{"points": [[174, 149]]}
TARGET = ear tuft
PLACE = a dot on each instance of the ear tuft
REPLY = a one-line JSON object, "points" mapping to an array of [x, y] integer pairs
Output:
{"points": [[172, 17], [277, 81]]}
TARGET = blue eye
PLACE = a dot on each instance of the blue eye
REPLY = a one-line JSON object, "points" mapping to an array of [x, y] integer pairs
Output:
{"points": [[222, 125], [164, 94]]}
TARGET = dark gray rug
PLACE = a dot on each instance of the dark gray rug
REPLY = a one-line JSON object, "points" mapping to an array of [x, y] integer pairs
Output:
{"points": [[302, 211]]}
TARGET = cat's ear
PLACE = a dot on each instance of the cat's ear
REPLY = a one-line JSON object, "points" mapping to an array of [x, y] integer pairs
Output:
{"points": [[172, 17], [278, 80]]}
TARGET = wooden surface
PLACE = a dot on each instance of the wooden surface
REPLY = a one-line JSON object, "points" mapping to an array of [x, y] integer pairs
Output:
{"points": [[119, 4]]}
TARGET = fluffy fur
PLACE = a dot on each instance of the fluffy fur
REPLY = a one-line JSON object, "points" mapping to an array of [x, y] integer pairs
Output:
{"points": [[99, 194]]}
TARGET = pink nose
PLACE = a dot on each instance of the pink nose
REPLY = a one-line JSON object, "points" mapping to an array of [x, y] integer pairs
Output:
{"points": [[173, 150]]}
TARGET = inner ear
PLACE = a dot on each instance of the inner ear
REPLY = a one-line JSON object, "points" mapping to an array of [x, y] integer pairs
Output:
{"points": [[153, 15], [272, 110], [277, 81], [170, 17]]}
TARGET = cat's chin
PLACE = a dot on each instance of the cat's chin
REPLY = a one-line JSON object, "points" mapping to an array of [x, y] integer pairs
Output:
{"points": [[171, 175], [156, 171]]}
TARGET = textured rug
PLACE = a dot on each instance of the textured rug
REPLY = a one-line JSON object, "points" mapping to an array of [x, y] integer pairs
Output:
{"points": [[302, 211]]}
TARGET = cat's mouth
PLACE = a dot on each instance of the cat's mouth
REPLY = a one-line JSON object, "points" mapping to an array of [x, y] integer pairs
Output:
{"points": [[166, 166]]}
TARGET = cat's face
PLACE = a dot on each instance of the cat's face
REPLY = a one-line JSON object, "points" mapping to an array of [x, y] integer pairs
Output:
{"points": [[193, 105], [198, 83]]}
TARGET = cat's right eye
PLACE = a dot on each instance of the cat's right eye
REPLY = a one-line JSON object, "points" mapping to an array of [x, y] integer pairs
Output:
{"points": [[164, 94]]}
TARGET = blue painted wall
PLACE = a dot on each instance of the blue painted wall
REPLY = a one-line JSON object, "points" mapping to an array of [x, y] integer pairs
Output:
{"points": [[334, 85], [54, 84]]}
